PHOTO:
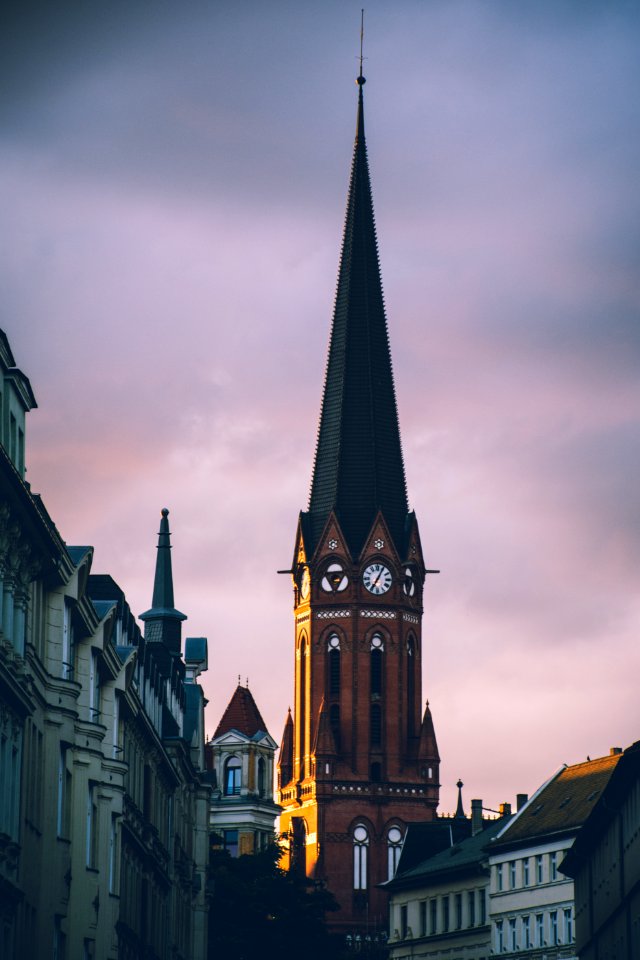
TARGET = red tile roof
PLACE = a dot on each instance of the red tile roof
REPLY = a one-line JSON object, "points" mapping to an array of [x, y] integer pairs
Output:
{"points": [[241, 714]]}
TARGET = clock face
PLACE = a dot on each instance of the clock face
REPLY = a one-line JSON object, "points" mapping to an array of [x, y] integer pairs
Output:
{"points": [[377, 578], [305, 582], [409, 584], [335, 579]]}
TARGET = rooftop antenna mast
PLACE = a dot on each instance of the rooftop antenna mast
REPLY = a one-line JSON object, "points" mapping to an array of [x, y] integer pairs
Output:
{"points": [[361, 78]]}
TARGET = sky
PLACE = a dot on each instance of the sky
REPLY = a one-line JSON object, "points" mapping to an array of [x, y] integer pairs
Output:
{"points": [[173, 181]]}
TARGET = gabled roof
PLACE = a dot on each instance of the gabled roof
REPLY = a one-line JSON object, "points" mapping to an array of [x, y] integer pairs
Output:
{"points": [[102, 607], [607, 806], [424, 840], [358, 467], [77, 554], [467, 853], [242, 715], [563, 804], [125, 651]]}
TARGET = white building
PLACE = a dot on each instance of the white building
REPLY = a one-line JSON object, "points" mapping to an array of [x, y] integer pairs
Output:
{"points": [[240, 757], [438, 908], [531, 904]]}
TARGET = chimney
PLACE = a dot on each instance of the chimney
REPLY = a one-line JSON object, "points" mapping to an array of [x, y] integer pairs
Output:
{"points": [[476, 817], [505, 809], [521, 799], [614, 751]]}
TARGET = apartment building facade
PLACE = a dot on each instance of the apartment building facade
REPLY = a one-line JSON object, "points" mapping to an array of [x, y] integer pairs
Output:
{"points": [[531, 902], [103, 808]]}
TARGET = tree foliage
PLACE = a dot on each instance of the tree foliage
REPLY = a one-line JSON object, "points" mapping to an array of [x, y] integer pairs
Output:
{"points": [[258, 910]]}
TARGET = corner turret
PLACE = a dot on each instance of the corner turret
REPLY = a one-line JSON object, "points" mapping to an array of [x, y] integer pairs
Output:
{"points": [[163, 623]]}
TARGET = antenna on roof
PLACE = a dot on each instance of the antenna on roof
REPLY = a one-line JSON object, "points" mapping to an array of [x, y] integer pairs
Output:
{"points": [[361, 79]]}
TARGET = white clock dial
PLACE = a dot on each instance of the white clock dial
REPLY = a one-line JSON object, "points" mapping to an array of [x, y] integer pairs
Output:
{"points": [[305, 582], [377, 578]]}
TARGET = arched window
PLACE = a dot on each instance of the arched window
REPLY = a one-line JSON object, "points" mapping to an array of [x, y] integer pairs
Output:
{"points": [[232, 777], [334, 666], [261, 776], [411, 687], [394, 846], [376, 725], [377, 649], [360, 850], [302, 708], [299, 846], [334, 722]]}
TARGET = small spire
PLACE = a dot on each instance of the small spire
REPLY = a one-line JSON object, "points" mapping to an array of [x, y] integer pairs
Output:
{"points": [[163, 582], [325, 741], [285, 761], [428, 746], [460, 809], [162, 621]]}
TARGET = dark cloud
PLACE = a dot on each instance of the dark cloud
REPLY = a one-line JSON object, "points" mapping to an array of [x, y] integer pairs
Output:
{"points": [[172, 179]]}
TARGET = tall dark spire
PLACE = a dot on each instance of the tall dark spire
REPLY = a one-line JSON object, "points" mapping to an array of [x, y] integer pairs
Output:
{"points": [[163, 621], [358, 467]]}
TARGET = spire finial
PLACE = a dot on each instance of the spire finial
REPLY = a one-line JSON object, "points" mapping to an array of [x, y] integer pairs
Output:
{"points": [[361, 79]]}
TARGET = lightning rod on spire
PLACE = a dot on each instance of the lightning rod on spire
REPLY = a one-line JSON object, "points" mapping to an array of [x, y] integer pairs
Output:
{"points": [[361, 79]]}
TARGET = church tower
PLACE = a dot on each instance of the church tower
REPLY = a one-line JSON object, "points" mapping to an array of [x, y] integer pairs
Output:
{"points": [[359, 759]]}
